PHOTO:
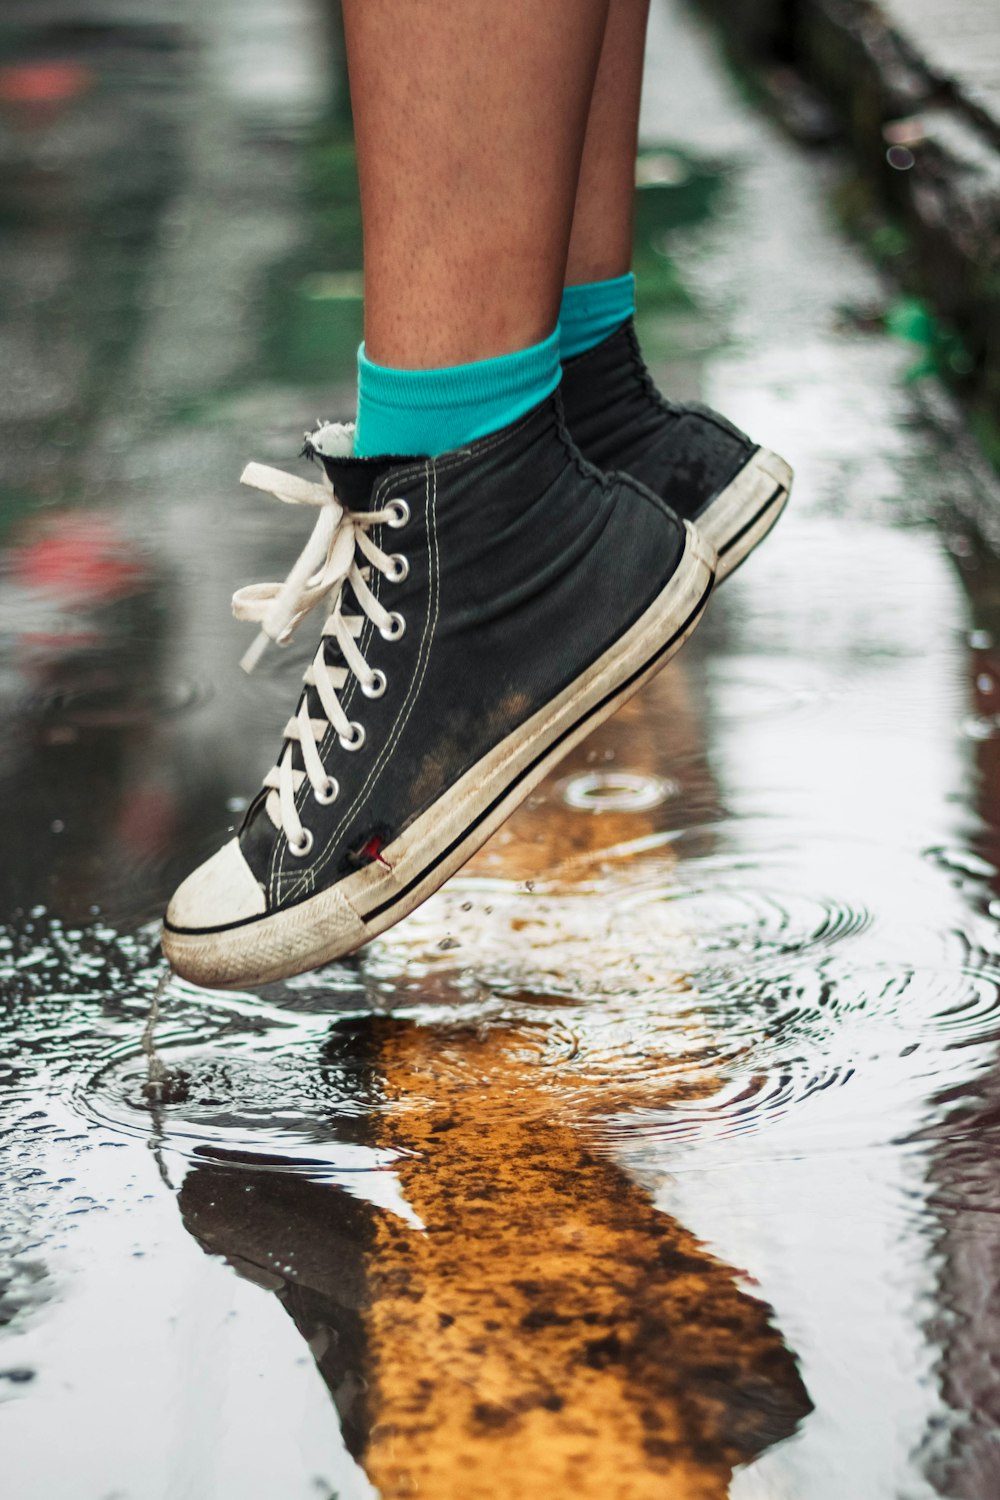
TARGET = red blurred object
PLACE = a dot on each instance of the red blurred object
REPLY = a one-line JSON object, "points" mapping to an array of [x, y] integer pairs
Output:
{"points": [[82, 559], [44, 83]]}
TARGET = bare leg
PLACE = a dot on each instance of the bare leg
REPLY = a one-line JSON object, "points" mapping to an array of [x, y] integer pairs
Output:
{"points": [[533, 596], [470, 119], [601, 242]]}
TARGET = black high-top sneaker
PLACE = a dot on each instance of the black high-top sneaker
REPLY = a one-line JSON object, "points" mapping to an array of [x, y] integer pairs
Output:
{"points": [[484, 611], [706, 470]]}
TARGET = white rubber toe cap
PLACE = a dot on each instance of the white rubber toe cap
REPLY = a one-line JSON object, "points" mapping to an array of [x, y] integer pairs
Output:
{"points": [[218, 932], [221, 891]]}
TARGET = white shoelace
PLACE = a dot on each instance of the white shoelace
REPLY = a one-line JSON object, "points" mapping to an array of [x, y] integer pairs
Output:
{"points": [[327, 562]]}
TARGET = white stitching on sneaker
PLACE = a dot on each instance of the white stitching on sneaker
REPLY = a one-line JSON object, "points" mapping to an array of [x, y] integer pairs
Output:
{"points": [[281, 883], [327, 562]]}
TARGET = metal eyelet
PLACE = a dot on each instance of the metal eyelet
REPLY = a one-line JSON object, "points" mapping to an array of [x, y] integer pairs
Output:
{"points": [[301, 849], [395, 629], [398, 513], [400, 568], [357, 738], [329, 793], [376, 684]]}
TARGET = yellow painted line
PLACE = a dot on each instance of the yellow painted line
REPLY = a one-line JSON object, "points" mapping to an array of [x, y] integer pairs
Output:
{"points": [[550, 1334], [547, 1335]]}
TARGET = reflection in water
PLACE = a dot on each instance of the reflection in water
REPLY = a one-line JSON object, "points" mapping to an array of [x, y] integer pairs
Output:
{"points": [[544, 1323], [734, 975], [523, 1309], [89, 609], [962, 1134]]}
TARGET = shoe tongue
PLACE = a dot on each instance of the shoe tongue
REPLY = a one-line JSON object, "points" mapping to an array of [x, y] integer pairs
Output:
{"points": [[354, 479], [257, 835]]}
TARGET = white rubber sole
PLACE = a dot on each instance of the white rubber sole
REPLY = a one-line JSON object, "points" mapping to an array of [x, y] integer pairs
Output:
{"points": [[336, 921], [741, 516]]}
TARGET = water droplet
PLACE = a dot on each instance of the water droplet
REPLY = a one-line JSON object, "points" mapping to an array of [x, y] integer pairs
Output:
{"points": [[901, 158], [616, 791]]}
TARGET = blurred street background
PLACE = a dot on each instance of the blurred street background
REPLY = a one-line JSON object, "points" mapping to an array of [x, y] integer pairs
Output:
{"points": [[656, 1155]]}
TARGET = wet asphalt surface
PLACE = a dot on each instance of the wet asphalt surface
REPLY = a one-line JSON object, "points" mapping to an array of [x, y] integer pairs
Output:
{"points": [[655, 1155]]}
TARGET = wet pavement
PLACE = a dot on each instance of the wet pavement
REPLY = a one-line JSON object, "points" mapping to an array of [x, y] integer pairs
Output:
{"points": [[655, 1155], [959, 47]]}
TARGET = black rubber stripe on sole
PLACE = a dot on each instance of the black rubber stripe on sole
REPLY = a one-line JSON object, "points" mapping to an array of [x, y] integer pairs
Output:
{"points": [[418, 879], [748, 525]]}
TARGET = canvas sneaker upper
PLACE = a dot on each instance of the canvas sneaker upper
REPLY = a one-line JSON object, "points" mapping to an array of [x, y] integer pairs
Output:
{"points": [[705, 468], [462, 596], [619, 419]]}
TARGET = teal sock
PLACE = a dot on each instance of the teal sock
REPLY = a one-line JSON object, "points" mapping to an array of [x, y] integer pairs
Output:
{"points": [[591, 312], [432, 411]]}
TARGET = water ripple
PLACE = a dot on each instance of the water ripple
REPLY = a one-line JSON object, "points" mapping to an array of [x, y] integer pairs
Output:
{"points": [[272, 1089], [672, 1001]]}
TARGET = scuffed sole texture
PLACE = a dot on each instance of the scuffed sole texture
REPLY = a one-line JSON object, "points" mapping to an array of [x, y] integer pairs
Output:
{"points": [[337, 921], [740, 517]]}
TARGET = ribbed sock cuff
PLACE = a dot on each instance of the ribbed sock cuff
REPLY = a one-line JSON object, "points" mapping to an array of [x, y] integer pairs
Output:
{"points": [[591, 312], [433, 411]]}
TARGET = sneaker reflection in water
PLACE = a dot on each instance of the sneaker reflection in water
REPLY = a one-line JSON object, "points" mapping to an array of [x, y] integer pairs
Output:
{"points": [[547, 1332]]}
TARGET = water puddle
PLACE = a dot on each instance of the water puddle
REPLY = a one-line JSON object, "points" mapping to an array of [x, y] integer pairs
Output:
{"points": [[654, 1155]]}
